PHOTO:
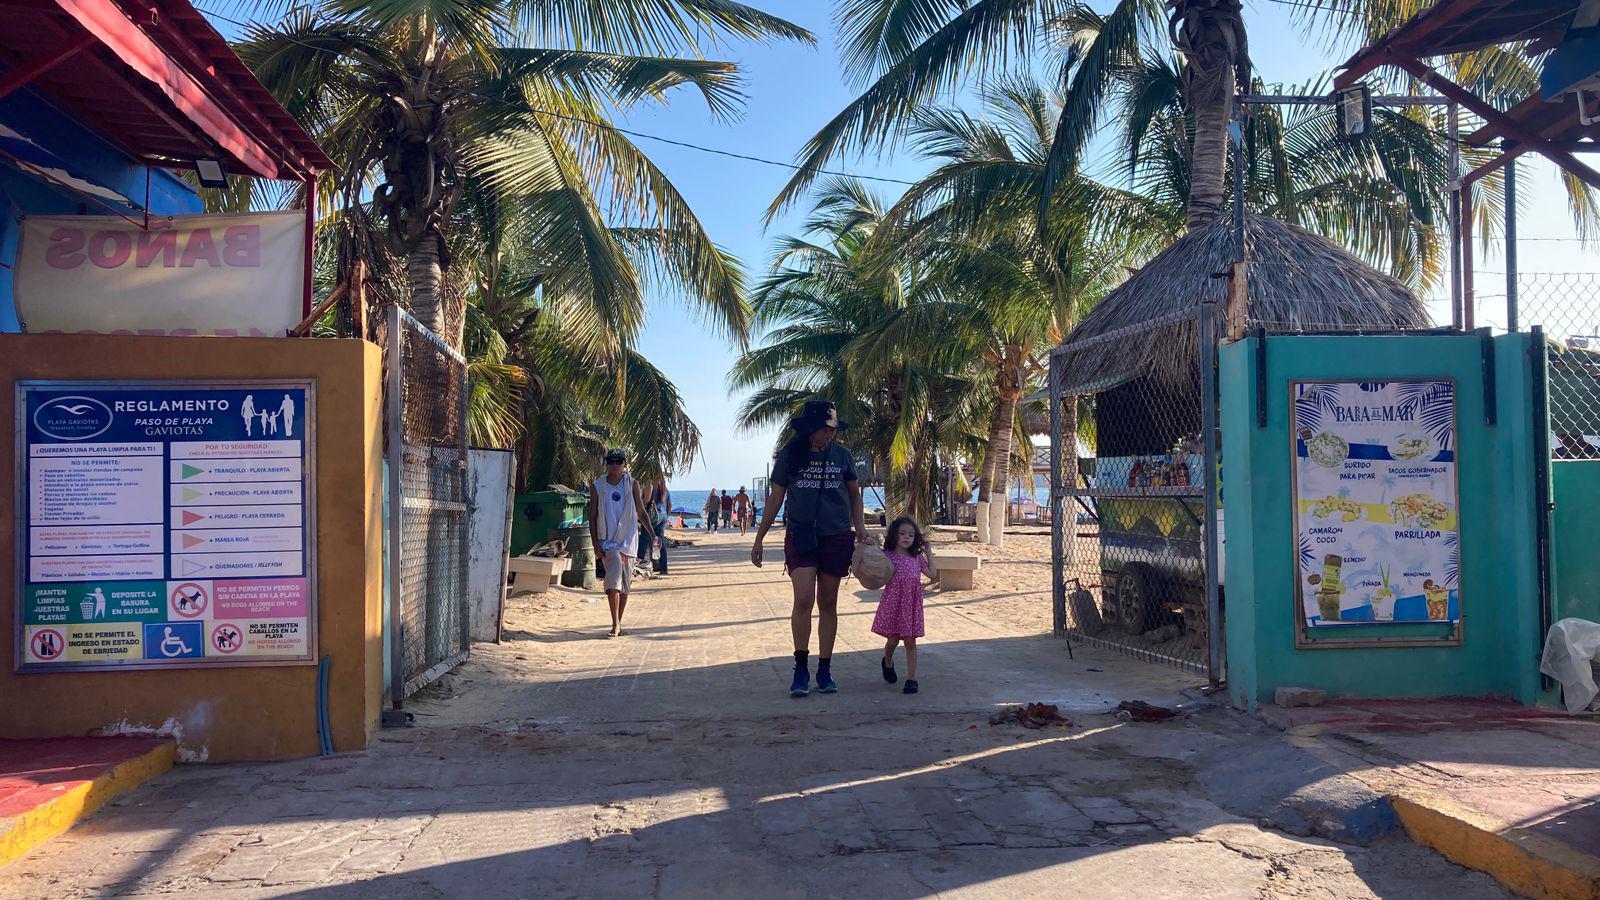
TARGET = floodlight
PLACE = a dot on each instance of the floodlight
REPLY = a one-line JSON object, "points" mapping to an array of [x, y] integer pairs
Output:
{"points": [[210, 173], [1355, 111]]}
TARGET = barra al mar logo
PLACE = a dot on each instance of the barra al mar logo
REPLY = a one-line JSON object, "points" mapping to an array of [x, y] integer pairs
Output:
{"points": [[72, 418]]}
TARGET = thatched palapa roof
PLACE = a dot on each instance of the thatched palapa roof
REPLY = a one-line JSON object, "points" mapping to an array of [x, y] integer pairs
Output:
{"points": [[1296, 280]]}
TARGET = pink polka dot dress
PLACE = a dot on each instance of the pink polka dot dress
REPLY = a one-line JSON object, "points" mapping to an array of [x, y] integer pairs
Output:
{"points": [[900, 609]]}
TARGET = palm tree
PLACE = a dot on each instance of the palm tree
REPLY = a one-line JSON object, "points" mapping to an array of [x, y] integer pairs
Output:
{"points": [[1210, 36], [1023, 281], [419, 99], [543, 379], [824, 305]]}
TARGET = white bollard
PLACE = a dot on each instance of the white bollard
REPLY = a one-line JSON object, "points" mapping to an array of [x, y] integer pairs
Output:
{"points": [[997, 524]]}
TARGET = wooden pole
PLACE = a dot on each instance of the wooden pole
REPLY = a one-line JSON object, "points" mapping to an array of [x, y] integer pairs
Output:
{"points": [[1238, 302]]}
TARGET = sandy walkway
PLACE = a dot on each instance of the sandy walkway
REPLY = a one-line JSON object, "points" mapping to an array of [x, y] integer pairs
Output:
{"points": [[672, 763]]}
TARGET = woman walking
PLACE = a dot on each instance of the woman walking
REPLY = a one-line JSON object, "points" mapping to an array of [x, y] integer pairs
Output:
{"points": [[616, 519], [899, 615], [815, 482]]}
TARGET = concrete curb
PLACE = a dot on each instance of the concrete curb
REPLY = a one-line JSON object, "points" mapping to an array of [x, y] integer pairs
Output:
{"points": [[78, 800], [1526, 862]]}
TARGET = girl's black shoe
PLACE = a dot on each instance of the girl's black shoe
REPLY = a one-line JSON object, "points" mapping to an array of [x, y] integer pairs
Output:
{"points": [[888, 671], [911, 686]]}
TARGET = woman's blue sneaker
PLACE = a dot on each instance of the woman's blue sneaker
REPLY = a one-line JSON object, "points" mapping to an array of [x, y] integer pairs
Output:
{"points": [[802, 682], [888, 671], [825, 683], [911, 686]]}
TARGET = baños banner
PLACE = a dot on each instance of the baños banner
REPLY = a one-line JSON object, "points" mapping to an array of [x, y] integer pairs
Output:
{"points": [[229, 274], [1376, 501]]}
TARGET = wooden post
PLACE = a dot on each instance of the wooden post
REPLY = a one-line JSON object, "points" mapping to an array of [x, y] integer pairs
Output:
{"points": [[1238, 302], [358, 298]]}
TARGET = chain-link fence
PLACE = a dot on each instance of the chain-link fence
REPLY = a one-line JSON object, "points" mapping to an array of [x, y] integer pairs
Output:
{"points": [[425, 414], [1566, 306], [1132, 505]]}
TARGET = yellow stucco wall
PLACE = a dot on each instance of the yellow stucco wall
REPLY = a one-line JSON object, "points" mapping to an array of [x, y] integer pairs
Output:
{"points": [[223, 714]]}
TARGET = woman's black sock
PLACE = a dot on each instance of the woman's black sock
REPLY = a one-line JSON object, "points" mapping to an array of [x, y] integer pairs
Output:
{"points": [[800, 659]]}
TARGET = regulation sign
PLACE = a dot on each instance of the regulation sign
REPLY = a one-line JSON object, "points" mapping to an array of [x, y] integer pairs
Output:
{"points": [[168, 524]]}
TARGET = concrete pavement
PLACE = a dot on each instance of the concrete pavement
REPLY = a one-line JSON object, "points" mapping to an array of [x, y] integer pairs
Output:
{"points": [[671, 763]]}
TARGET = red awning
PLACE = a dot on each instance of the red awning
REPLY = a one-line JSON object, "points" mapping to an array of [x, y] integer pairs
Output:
{"points": [[155, 78]]}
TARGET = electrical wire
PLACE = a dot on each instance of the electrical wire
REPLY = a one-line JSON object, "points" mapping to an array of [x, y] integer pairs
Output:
{"points": [[718, 151]]}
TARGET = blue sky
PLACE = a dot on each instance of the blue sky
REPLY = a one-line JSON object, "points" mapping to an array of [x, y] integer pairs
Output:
{"points": [[792, 90]]}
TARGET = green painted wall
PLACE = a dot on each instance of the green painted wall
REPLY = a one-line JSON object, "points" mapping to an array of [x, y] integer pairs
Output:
{"points": [[1498, 566], [1576, 566]]}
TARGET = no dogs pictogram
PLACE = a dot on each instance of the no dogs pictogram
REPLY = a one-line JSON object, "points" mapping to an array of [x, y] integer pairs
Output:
{"points": [[189, 600]]}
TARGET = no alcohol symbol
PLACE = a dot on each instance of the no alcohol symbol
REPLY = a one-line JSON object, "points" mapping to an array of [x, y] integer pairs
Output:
{"points": [[47, 644]]}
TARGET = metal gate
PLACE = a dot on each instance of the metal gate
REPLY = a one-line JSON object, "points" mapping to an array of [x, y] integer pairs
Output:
{"points": [[425, 413], [1134, 480]]}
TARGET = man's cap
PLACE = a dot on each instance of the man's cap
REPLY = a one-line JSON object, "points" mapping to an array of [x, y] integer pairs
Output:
{"points": [[615, 455]]}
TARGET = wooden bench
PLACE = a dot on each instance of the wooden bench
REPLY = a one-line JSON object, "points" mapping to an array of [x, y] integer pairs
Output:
{"points": [[541, 572], [957, 568]]}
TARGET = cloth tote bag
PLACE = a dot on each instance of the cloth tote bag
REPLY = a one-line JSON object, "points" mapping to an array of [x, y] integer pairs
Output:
{"points": [[871, 567]]}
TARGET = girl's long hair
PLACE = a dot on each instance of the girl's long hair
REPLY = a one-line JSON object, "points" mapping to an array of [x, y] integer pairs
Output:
{"points": [[892, 539]]}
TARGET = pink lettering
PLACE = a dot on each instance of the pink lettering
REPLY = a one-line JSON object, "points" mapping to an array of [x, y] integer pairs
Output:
{"points": [[241, 246], [163, 242], [200, 246], [109, 249], [65, 250]]}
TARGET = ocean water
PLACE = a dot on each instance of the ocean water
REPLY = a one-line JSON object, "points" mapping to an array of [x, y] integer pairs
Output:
{"points": [[696, 500]]}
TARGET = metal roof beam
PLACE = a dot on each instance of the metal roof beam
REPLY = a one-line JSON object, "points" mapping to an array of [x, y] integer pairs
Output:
{"points": [[39, 64], [1503, 123]]}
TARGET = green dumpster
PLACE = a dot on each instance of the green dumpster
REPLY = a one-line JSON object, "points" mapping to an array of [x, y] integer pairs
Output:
{"points": [[539, 516]]}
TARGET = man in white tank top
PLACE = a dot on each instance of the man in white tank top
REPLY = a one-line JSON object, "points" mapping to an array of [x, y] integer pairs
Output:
{"points": [[616, 517]]}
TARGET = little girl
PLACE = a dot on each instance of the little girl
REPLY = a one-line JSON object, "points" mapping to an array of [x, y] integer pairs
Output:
{"points": [[899, 615]]}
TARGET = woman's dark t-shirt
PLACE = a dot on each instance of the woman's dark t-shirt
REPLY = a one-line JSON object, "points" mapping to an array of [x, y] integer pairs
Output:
{"points": [[816, 492]]}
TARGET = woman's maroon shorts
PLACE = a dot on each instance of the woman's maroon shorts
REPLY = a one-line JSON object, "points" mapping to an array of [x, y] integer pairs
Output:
{"points": [[831, 556]]}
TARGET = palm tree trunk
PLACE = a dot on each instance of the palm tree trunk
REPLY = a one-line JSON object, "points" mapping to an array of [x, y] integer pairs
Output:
{"points": [[1000, 449], [1008, 386], [425, 277], [1211, 36], [1211, 97], [986, 477]]}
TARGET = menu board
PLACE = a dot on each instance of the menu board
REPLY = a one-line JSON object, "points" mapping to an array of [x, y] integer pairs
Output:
{"points": [[1376, 502], [165, 524]]}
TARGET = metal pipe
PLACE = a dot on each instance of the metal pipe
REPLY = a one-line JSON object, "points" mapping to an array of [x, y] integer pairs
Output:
{"points": [[1453, 125], [1210, 434], [1541, 485], [1331, 100], [1511, 246], [1469, 299], [1058, 577], [310, 242], [1238, 182], [397, 655]]}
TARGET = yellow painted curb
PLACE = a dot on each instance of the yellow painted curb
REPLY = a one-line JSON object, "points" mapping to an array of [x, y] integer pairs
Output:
{"points": [[20, 834], [1526, 862]]}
